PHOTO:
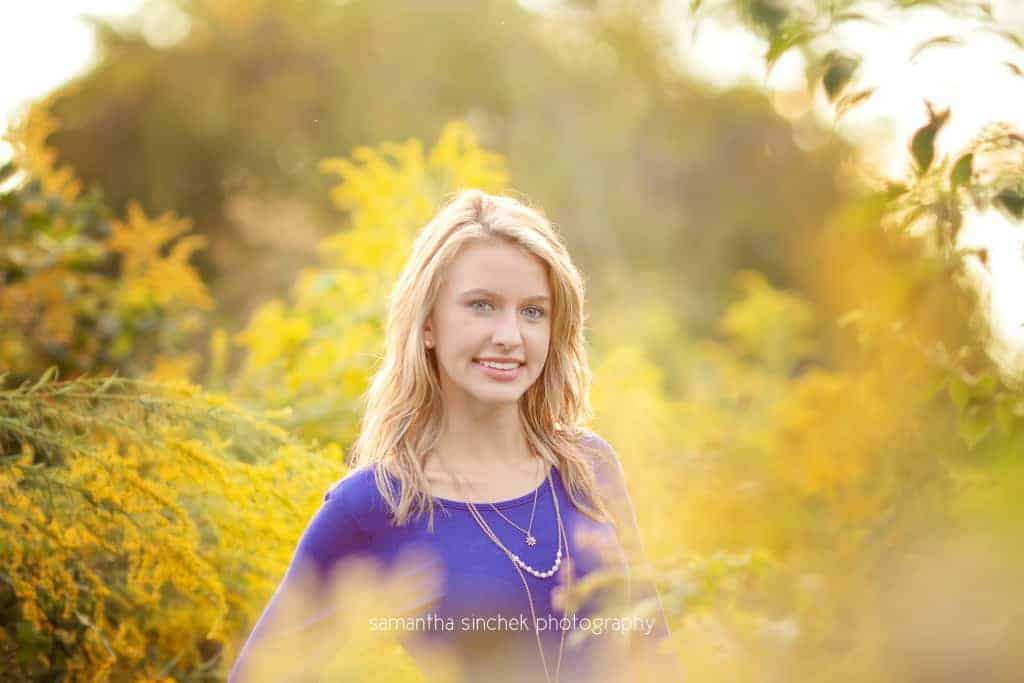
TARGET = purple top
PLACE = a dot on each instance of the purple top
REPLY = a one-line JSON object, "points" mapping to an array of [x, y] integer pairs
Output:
{"points": [[479, 580]]}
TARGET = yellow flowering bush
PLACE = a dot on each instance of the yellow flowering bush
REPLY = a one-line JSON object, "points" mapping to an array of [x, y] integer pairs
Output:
{"points": [[136, 530], [799, 472], [81, 289]]}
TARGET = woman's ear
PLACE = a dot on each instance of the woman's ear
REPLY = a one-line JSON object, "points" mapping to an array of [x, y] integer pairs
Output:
{"points": [[428, 333]]}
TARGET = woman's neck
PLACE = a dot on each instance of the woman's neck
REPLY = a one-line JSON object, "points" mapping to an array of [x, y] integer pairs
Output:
{"points": [[475, 445], [476, 453], [481, 480]]}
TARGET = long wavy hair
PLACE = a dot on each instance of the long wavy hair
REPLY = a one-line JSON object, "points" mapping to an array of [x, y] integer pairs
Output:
{"points": [[404, 410]]}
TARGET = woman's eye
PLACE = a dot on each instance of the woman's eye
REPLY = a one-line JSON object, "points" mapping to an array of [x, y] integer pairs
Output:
{"points": [[538, 312]]}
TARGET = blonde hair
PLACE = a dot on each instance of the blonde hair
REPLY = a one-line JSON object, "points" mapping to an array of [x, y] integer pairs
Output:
{"points": [[403, 407]]}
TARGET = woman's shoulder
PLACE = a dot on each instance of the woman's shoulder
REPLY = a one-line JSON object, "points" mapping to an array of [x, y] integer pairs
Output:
{"points": [[593, 443], [356, 493], [597, 450], [604, 462], [356, 481]]}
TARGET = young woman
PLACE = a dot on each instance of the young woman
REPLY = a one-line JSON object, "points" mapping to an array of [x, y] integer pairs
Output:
{"points": [[477, 413]]}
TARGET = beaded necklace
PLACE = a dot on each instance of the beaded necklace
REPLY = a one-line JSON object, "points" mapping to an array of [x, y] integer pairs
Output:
{"points": [[517, 562]]}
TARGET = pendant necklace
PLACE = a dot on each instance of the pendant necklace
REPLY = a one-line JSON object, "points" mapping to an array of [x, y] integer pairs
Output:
{"points": [[530, 539], [518, 563]]}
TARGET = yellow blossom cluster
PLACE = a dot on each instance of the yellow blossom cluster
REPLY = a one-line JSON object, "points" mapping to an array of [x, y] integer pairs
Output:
{"points": [[148, 547]]}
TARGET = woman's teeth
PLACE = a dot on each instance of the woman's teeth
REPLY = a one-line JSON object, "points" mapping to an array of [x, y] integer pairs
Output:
{"points": [[499, 366]]}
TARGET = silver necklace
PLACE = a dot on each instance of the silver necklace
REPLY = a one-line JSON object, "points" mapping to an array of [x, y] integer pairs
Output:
{"points": [[529, 595], [518, 561], [530, 538], [562, 538]]}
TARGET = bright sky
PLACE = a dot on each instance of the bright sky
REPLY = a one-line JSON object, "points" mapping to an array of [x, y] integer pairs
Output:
{"points": [[50, 43]]}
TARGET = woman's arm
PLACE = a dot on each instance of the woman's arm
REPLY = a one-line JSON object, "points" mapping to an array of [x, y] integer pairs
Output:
{"points": [[298, 608], [612, 482]]}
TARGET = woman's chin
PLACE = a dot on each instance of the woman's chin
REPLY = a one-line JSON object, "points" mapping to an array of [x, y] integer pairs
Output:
{"points": [[496, 392]]}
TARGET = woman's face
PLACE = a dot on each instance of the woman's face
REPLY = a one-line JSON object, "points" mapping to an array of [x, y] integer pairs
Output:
{"points": [[495, 304]]}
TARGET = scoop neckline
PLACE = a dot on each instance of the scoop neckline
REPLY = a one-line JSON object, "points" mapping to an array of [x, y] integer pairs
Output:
{"points": [[502, 504]]}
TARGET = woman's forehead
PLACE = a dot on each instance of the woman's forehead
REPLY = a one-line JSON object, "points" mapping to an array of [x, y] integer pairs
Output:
{"points": [[501, 269]]}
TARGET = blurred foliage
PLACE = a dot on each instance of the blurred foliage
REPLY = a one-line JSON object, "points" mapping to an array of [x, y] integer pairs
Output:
{"points": [[134, 530], [824, 460], [825, 456], [341, 646], [589, 109], [985, 174], [85, 291]]}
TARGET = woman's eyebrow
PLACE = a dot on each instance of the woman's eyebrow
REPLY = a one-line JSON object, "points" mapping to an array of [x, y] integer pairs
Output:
{"points": [[478, 290]]}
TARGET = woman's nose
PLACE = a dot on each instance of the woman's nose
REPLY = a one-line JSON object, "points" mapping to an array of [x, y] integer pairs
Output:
{"points": [[507, 333]]}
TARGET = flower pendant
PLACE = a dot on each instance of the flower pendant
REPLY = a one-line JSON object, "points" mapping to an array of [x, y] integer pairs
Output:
{"points": [[530, 540]]}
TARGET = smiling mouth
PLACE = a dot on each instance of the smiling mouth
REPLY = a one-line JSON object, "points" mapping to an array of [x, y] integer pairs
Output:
{"points": [[516, 365], [500, 374]]}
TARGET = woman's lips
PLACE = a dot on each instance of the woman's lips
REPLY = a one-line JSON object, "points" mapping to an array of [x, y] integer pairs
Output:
{"points": [[500, 375]]}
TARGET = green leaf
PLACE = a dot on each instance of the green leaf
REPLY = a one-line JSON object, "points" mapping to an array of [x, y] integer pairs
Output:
{"points": [[1004, 414], [7, 170], [985, 387], [781, 42], [767, 13], [930, 389], [938, 41], [848, 102], [49, 374], [838, 73], [974, 425], [962, 171], [107, 382], [853, 16], [24, 632], [922, 146], [1011, 202], [1017, 41], [959, 392], [894, 190], [955, 221]]}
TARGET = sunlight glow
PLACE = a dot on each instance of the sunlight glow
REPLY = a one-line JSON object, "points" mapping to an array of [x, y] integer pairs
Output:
{"points": [[971, 79], [51, 42]]}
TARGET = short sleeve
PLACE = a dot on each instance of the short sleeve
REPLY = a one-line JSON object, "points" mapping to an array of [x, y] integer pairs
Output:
{"points": [[331, 535], [611, 481]]}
